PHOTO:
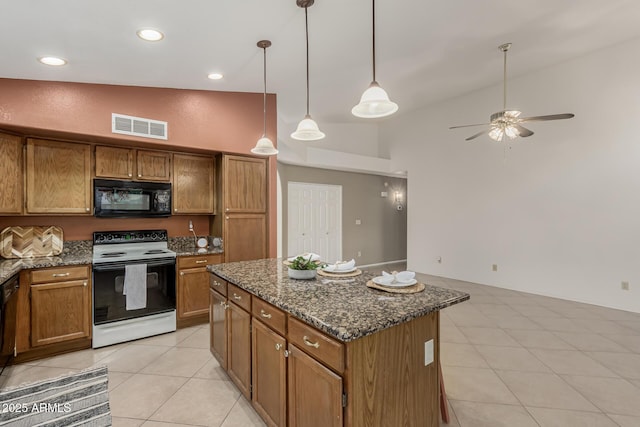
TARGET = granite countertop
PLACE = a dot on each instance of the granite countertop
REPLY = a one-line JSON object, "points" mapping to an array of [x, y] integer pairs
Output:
{"points": [[346, 310], [77, 252]]}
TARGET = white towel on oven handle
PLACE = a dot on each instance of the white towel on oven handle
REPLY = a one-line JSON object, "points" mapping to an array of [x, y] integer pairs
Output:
{"points": [[135, 286]]}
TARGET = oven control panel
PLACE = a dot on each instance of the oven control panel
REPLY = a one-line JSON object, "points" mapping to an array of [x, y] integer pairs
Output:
{"points": [[140, 236]]}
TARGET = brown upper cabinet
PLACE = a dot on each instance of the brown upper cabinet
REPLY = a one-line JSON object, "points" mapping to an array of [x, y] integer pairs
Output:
{"points": [[127, 163], [58, 177], [244, 184], [193, 186], [11, 173]]}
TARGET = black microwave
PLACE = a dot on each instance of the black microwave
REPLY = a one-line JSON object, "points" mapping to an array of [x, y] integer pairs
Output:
{"points": [[131, 199]]}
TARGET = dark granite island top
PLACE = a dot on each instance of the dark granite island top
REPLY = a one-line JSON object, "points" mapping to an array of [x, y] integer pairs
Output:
{"points": [[345, 309]]}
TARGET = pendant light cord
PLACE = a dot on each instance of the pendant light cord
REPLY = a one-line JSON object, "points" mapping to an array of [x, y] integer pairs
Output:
{"points": [[264, 102], [306, 30], [373, 28], [504, 100]]}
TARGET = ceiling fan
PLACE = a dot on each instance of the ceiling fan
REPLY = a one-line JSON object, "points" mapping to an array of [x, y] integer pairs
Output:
{"points": [[508, 123]]}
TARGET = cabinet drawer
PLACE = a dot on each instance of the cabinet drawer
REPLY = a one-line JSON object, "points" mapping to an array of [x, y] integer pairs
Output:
{"points": [[327, 350], [273, 317], [217, 284], [198, 260], [59, 274], [239, 297]]}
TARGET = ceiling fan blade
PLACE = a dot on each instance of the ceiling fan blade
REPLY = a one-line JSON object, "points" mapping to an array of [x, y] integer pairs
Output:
{"points": [[468, 126], [477, 135], [549, 117], [523, 131]]}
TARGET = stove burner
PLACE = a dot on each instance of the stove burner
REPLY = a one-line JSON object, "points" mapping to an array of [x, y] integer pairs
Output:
{"points": [[155, 251], [111, 254]]}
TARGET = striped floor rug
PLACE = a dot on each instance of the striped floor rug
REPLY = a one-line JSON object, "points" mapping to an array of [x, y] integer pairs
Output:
{"points": [[79, 399]]}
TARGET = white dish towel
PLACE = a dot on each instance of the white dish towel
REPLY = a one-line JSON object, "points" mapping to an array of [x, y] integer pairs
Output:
{"points": [[135, 286]]}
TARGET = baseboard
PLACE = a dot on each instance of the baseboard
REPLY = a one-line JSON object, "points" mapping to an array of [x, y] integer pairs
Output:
{"points": [[382, 263]]}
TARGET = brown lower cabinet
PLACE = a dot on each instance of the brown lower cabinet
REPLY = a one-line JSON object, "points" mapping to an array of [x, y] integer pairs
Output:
{"points": [[54, 310], [301, 377], [193, 288]]}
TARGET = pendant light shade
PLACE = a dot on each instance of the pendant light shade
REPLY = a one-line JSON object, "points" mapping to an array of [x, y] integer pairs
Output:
{"points": [[264, 146], [374, 102], [307, 129]]}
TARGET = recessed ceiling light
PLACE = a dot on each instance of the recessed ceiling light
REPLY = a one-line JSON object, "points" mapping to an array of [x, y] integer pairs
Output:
{"points": [[52, 60], [149, 34], [215, 76]]}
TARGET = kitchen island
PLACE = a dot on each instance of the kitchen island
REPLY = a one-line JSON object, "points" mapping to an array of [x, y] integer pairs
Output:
{"points": [[355, 356]]}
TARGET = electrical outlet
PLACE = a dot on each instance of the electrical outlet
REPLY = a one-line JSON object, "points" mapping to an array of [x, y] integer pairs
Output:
{"points": [[358, 221], [625, 286], [359, 253], [190, 225], [439, 260], [494, 267]]}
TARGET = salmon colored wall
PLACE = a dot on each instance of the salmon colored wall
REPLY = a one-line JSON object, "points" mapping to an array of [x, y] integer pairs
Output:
{"points": [[228, 122], [81, 228]]}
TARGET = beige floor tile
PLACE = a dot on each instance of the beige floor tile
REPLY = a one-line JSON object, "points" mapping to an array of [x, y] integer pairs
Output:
{"points": [[484, 299], [199, 339], [488, 336], [538, 339], [572, 362], [169, 339], [212, 371], [452, 334], [471, 414], [243, 415], [179, 361], [630, 342], [560, 324], [133, 358], [613, 314], [452, 354], [125, 422], [141, 395], [161, 424], [79, 359], [625, 420], [631, 324], [591, 342], [117, 378], [535, 311], [518, 299], [496, 310], [470, 317], [544, 390], [579, 313], [199, 401], [453, 419], [511, 359], [604, 326], [611, 395], [515, 322], [627, 365], [34, 374], [476, 385], [561, 418]]}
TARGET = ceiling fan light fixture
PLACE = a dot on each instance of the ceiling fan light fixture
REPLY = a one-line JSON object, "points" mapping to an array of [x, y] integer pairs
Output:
{"points": [[307, 130], [264, 146], [374, 103]]}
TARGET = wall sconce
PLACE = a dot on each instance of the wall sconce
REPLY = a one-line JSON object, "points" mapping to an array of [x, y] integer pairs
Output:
{"points": [[397, 199]]}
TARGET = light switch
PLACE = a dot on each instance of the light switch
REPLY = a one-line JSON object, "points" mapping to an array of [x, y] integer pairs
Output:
{"points": [[384, 194], [428, 352], [358, 222]]}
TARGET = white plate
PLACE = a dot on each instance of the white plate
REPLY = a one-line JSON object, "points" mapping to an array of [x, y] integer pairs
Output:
{"points": [[394, 284], [334, 271]]}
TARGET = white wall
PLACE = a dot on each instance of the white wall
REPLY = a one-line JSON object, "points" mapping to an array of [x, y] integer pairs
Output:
{"points": [[559, 212]]}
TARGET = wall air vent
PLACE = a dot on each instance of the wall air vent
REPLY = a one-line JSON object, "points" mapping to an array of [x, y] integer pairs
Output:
{"points": [[137, 126]]}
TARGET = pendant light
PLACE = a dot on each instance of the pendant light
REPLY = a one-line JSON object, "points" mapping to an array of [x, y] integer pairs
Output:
{"points": [[264, 146], [307, 128], [374, 102]]}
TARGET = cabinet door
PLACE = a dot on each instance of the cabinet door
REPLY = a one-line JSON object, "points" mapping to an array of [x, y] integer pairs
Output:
{"points": [[218, 327], [245, 237], [315, 392], [153, 165], [114, 162], [239, 348], [11, 173], [193, 189], [58, 177], [269, 374], [193, 291], [60, 312], [244, 184]]}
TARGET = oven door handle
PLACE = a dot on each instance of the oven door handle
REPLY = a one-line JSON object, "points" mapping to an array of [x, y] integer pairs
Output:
{"points": [[120, 265]]}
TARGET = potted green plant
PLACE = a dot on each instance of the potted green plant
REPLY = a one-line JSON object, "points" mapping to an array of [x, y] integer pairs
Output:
{"points": [[303, 268]]}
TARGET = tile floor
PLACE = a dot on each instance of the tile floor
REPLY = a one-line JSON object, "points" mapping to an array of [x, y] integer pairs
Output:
{"points": [[509, 359]]}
